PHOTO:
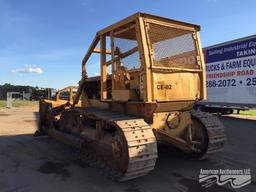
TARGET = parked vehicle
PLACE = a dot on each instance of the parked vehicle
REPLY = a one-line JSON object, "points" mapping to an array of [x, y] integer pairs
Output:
{"points": [[231, 76]]}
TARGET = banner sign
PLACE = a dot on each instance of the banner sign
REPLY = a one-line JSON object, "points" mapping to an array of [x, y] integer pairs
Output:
{"points": [[231, 72]]}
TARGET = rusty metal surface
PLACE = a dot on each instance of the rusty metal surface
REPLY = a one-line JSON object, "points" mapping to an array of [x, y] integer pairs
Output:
{"points": [[65, 138], [215, 131], [136, 136]]}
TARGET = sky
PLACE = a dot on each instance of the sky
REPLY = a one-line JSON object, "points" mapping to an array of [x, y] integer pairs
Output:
{"points": [[42, 43]]}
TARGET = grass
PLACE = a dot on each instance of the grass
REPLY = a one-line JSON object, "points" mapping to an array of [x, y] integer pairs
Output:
{"points": [[246, 112], [18, 103]]}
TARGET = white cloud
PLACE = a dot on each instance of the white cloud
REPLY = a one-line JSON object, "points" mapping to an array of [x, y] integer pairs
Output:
{"points": [[29, 69], [88, 6], [96, 74]]}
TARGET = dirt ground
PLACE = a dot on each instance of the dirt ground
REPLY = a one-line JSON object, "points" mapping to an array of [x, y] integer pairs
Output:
{"points": [[29, 164]]}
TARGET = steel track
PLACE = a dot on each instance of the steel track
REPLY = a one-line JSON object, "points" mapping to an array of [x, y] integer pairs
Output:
{"points": [[139, 139], [215, 132]]}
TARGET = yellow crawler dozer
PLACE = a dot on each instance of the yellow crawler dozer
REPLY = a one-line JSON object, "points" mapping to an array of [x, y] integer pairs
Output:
{"points": [[152, 73]]}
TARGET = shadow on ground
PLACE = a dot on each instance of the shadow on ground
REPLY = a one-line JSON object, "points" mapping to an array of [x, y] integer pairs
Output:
{"points": [[30, 163]]}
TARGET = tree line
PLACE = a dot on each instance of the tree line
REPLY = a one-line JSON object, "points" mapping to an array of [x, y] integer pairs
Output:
{"points": [[15, 88]]}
